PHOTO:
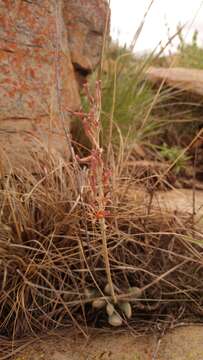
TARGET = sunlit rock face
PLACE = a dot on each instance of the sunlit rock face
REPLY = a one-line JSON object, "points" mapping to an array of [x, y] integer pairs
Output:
{"points": [[187, 80], [45, 47], [86, 22]]}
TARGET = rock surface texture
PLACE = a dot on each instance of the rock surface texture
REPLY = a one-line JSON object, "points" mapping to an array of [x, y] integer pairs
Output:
{"points": [[46, 47], [86, 24], [189, 80]]}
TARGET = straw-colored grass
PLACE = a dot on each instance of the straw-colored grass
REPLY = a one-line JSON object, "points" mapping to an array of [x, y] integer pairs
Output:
{"points": [[51, 255]]}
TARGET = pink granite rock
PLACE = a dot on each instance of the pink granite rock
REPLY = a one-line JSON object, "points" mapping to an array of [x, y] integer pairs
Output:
{"points": [[187, 80], [30, 32]]}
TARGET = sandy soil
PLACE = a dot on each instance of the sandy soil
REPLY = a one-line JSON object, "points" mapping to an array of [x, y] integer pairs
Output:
{"points": [[182, 200], [177, 200], [184, 343]]}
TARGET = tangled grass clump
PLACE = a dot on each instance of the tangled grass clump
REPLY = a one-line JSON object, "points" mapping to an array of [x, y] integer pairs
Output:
{"points": [[51, 256]]}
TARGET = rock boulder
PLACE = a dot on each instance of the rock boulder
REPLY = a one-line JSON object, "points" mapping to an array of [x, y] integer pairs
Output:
{"points": [[45, 47], [187, 80]]}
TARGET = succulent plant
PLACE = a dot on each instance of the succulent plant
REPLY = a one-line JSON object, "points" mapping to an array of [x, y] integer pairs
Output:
{"points": [[115, 320], [98, 303], [90, 293], [110, 309], [126, 308], [135, 291], [107, 289]]}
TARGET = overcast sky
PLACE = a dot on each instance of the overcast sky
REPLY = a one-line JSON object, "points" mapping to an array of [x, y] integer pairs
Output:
{"points": [[127, 14]]}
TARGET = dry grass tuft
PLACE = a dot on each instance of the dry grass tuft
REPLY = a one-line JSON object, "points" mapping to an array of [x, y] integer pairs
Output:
{"points": [[51, 255]]}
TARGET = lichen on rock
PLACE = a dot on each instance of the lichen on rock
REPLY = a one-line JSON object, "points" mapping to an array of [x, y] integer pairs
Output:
{"points": [[28, 44]]}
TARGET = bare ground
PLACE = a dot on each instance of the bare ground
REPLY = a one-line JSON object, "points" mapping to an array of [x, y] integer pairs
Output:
{"points": [[183, 343], [177, 200]]}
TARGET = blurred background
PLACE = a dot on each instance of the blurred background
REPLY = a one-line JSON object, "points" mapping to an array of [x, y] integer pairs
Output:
{"points": [[160, 24]]}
